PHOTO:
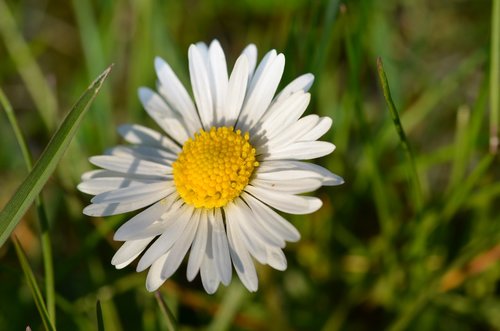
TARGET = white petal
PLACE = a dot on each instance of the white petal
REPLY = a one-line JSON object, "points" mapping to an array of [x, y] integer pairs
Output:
{"points": [[251, 224], [282, 115], [296, 130], [290, 186], [236, 90], [301, 83], [130, 165], [181, 246], [147, 153], [261, 95], [300, 151], [248, 235], [177, 223], [198, 248], [101, 185], [263, 66], [219, 79], [108, 209], [276, 258], [154, 279], [296, 169], [209, 276], [114, 208], [272, 221], [176, 95], [242, 261], [129, 251], [251, 54], [220, 248], [130, 194], [138, 134], [203, 49], [288, 203], [100, 173], [271, 171], [320, 129], [165, 117], [140, 225], [200, 81], [208, 270]]}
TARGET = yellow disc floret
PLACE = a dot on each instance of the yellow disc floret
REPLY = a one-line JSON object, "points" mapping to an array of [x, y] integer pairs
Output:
{"points": [[214, 167]]}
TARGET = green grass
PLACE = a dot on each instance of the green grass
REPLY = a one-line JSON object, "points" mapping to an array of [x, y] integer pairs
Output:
{"points": [[409, 242]]}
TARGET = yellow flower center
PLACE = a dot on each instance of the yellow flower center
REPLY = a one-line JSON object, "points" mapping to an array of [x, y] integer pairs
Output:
{"points": [[214, 167]]}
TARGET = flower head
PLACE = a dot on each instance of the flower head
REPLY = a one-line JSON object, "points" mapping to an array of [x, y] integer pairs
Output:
{"points": [[212, 180]]}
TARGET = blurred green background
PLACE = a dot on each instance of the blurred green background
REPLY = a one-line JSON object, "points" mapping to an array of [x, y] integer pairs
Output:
{"points": [[380, 255]]}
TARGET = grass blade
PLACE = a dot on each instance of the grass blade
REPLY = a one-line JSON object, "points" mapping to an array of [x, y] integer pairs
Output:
{"points": [[100, 320], [4, 102], [401, 133], [495, 76], [169, 317], [32, 185], [42, 216], [43, 96], [230, 305], [35, 291], [320, 56]]}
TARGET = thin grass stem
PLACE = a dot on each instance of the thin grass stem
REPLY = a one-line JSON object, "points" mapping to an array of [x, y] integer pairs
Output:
{"points": [[495, 76], [32, 283], [100, 320], [401, 133], [169, 317], [43, 96], [42, 216]]}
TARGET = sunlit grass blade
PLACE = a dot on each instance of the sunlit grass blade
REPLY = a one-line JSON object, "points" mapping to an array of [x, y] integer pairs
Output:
{"points": [[331, 12], [421, 109], [15, 127], [32, 185], [495, 76], [35, 291], [100, 321], [43, 96], [169, 317], [233, 300], [401, 133], [460, 150], [461, 193], [42, 217], [94, 59]]}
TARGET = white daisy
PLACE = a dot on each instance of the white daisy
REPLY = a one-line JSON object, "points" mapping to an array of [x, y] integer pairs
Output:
{"points": [[213, 181]]}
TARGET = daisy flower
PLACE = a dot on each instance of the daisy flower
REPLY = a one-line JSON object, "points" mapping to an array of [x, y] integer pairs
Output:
{"points": [[213, 179]]}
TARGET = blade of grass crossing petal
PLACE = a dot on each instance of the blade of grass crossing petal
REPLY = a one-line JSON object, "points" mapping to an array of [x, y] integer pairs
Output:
{"points": [[45, 166], [42, 216], [169, 317], [35, 291], [495, 76], [43, 96], [100, 321], [233, 299], [401, 133]]}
